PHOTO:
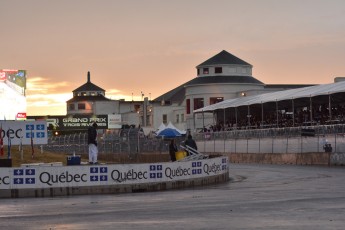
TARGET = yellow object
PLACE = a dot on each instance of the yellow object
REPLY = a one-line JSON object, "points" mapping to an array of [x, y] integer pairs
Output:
{"points": [[180, 155]]}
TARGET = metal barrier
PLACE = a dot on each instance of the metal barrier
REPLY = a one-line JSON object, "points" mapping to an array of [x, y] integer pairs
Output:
{"points": [[274, 140], [129, 141]]}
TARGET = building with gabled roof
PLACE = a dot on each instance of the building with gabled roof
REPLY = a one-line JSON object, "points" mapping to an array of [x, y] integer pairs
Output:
{"points": [[90, 99]]}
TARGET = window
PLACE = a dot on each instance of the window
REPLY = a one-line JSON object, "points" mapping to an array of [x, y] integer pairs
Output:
{"points": [[205, 70], [177, 118], [214, 100], [165, 118], [81, 106], [198, 71], [137, 108], [71, 107], [198, 103], [188, 106], [218, 70], [182, 117]]}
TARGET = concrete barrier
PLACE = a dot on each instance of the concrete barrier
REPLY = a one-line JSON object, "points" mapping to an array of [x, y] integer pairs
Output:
{"points": [[289, 158], [48, 181]]}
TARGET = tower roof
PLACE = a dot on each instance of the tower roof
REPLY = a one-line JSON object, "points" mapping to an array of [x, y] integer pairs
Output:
{"points": [[224, 58], [88, 86]]}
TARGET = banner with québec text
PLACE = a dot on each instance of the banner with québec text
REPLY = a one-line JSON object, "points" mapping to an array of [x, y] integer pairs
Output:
{"points": [[22, 132], [112, 174]]}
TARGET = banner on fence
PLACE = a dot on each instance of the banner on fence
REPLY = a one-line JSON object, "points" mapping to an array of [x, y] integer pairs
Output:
{"points": [[114, 174], [23, 132], [80, 122]]}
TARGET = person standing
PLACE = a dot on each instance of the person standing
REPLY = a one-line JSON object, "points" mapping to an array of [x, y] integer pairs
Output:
{"points": [[92, 142], [172, 150], [191, 143]]}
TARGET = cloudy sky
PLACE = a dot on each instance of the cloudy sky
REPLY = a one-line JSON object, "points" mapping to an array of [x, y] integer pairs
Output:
{"points": [[153, 46]]}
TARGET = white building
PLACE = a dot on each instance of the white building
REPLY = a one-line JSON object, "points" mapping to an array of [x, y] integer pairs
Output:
{"points": [[221, 77], [90, 99]]}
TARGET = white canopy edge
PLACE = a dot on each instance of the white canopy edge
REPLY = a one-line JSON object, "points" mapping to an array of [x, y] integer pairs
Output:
{"points": [[311, 91]]}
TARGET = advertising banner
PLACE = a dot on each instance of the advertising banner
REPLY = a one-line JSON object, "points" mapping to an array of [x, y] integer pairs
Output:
{"points": [[80, 122], [23, 132], [114, 174], [114, 121], [14, 78]]}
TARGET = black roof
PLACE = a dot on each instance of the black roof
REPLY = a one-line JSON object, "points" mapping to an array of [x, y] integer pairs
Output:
{"points": [[287, 86], [224, 79], [88, 86], [89, 98], [174, 95], [224, 57]]}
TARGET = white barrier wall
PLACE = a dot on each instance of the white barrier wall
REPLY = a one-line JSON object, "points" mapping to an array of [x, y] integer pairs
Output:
{"points": [[36, 177]]}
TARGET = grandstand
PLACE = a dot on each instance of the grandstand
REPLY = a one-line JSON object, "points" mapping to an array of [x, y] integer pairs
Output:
{"points": [[308, 106]]}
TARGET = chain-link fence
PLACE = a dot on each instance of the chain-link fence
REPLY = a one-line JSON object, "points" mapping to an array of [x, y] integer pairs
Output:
{"points": [[275, 140], [130, 141]]}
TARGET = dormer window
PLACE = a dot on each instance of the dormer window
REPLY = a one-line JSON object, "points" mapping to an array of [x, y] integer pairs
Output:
{"points": [[198, 72], [218, 70], [205, 71]]}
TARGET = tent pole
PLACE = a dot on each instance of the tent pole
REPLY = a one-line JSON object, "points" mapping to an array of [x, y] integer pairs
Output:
{"points": [[224, 121], [236, 117], [194, 121], [311, 110], [203, 120], [214, 119], [293, 113], [329, 107], [248, 117], [262, 114], [277, 113], [224, 130]]}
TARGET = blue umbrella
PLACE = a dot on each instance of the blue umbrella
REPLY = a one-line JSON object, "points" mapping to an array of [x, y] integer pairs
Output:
{"points": [[169, 133]]}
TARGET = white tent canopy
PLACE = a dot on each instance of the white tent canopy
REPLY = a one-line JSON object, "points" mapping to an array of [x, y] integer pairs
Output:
{"points": [[170, 125], [160, 128], [306, 92]]}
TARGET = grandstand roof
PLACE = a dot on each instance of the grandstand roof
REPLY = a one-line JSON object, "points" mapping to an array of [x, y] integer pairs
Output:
{"points": [[305, 92]]}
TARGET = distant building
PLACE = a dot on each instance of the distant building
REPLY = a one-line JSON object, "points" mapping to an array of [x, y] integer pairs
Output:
{"points": [[90, 99], [221, 77]]}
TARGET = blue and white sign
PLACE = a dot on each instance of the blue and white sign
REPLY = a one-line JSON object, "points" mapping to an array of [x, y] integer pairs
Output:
{"points": [[36, 176], [23, 132]]}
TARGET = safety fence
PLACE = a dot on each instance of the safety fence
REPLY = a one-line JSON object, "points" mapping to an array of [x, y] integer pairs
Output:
{"points": [[274, 140], [326, 138], [130, 141]]}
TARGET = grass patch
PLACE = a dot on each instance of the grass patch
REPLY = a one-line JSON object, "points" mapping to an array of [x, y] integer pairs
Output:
{"points": [[26, 157]]}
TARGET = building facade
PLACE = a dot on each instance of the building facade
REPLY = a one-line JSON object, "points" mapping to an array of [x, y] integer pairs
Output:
{"points": [[90, 99], [221, 77]]}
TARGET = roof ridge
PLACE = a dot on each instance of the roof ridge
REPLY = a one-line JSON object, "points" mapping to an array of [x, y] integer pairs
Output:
{"points": [[224, 57]]}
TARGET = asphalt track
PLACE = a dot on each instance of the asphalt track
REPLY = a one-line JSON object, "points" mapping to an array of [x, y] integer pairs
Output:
{"points": [[258, 197]]}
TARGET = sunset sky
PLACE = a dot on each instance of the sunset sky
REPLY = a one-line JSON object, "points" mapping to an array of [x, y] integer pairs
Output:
{"points": [[153, 46]]}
